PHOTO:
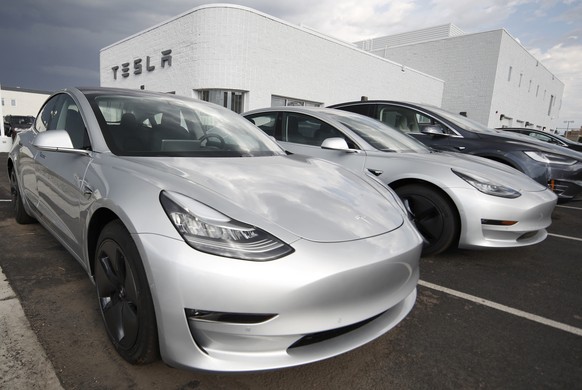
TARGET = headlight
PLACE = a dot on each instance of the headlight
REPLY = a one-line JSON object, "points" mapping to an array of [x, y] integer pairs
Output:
{"points": [[207, 230], [487, 186], [549, 158]]}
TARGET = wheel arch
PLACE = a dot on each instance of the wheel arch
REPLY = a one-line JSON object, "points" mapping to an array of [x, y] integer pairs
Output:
{"points": [[9, 166], [402, 182], [99, 219]]}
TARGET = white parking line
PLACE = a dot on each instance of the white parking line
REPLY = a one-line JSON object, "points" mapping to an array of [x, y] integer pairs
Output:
{"points": [[506, 309], [569, 207], [566, 237], [4, 200]]}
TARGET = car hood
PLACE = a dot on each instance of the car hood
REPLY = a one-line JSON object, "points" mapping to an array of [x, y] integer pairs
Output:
{"points": [[480, 166], [529, 143], [310, 198]]}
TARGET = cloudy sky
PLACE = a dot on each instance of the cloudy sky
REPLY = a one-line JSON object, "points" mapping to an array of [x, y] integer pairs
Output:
{"points": [[53, 44]]}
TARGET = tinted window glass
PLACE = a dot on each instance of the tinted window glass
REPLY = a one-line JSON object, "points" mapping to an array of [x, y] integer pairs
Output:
{"points": [[380, 136], [146, 125], [266, 122], [462, 122], [67, 117], [46, 114], [307, 130], [363, 109], [400, 118]]}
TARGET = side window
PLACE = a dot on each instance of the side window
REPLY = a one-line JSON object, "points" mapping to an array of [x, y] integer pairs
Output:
{"points": [[67, 117], [47, 114], [540, 137], [400, 118], [425, 121], [306, 130], [266, 122]]}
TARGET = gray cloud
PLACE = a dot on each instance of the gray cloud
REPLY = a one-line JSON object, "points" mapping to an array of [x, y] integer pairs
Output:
{"points": [[54, 44]]}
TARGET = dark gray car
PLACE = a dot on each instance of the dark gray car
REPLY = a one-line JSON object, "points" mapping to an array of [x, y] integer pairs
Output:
{"points": [[558, 168], [545, 136]]}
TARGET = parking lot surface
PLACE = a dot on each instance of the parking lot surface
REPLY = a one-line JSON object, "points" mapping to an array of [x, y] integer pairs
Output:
{"points": [[494, 319]]}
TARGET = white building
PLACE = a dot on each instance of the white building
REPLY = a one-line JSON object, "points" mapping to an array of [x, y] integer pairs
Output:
{"points": [[21, 101], [18, 101], [488, 75], [244, 59]]}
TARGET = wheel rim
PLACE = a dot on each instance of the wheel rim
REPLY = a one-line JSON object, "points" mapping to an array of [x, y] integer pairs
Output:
{"points": [[426, 217], [117, 293]]}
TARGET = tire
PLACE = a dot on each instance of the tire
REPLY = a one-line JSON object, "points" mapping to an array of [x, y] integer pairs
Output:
{"points": [[433, 215], [20, 214], [124, 296]]}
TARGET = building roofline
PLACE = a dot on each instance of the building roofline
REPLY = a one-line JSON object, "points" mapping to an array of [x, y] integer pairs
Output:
{"points": [[183, 14], [465, 36], [27, 90], [305, 29]]}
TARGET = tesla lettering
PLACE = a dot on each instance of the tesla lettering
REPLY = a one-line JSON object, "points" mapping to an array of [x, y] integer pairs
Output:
{"points": [[138, 66]]}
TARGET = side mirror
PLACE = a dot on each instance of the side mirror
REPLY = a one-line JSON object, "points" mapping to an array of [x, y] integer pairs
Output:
{"points": [[56, 141], [335, 143], [433, 130]]}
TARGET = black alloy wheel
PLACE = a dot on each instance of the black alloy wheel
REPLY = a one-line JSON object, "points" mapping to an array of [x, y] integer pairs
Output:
{"points": [[124, 296], [433, 215], [20, 214]]}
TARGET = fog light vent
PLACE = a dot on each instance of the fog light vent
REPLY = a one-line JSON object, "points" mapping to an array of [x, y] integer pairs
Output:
{"points": [[497, 222], [231, 318], [527, 235]]}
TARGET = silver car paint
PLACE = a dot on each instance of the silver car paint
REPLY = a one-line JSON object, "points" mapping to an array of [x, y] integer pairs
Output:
{"points": [[366, 263], [533, 209]]}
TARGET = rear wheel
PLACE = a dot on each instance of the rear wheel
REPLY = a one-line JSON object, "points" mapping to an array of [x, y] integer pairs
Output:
{"points": [[433, 215], [20, 214], [124, 296]]}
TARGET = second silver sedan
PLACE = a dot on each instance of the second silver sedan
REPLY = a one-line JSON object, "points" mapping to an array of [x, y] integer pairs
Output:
{"points": [[455, 200]]}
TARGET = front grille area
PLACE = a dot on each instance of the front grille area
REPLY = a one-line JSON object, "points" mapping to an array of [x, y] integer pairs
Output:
{"points": [[527, 235], [318, 337]]}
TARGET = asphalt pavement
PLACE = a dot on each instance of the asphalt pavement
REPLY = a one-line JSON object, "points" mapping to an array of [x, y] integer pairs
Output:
{"points": [[23, 362], [497, 319]]}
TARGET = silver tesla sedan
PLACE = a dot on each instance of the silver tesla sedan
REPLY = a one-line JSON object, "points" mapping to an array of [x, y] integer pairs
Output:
{"points": [[455, 200], [206, 242]]}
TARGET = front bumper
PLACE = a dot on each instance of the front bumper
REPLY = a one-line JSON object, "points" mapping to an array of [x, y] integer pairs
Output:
{"points": [[483, 217], [565, 189], [324, 299], [565, 180]]}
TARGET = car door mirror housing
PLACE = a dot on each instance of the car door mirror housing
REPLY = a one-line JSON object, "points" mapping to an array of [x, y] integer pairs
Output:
{"points": [[56, 141], [433, 130], [335, 143]]}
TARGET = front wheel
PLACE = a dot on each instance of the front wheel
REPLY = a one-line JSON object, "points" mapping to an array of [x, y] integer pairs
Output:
{"points": [[433, 215], [124, 296], [20, 214]]}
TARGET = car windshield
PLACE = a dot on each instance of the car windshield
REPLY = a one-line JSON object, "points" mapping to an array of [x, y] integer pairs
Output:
{"points": [[158, 125], [562, 138], [380, 135], [463, 122]]}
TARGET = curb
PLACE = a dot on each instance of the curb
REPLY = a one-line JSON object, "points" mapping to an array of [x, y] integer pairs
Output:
{"points": [[23, 361]]}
